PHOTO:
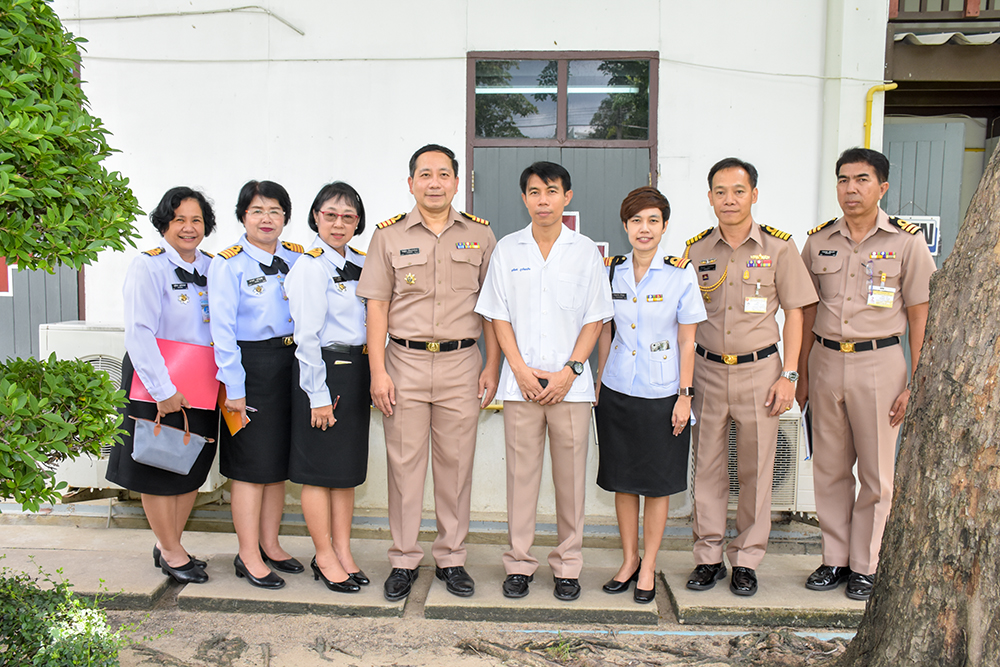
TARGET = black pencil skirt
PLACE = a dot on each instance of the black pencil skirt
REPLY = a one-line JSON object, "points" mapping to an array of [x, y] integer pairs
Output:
{"points": [[336, 458], [639, 452]]}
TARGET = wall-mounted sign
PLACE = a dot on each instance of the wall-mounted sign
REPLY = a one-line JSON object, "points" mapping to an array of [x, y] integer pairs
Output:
{"points": [[6, 278], [572, 220], [930, 225], [602, 246]]}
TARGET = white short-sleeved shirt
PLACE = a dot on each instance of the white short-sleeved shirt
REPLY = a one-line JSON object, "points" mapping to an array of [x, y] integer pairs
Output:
{"points": [[325, 310], [643, 360], [547, 302]]}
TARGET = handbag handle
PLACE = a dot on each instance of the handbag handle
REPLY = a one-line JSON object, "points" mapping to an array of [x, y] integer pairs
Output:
{"points": [[187, 428]]}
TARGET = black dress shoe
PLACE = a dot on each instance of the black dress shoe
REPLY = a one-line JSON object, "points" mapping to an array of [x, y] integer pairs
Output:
{"points": [[827, 577], [744, 582], [615, 586], [271, 581], [859, 586], [291, 565], [705, 576], [157, 554], [399, 583], [457, 580], [189, 573], [346, 586], [516, 585], [360, 578], [566, 589], [644, 597]]}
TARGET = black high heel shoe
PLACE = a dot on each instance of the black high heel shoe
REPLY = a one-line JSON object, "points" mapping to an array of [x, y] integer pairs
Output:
{"points": [[644, 597], [291, 565], [189, 573], [360, 578], [346, 586], [614, 586], [157, 554], [271, 581]]}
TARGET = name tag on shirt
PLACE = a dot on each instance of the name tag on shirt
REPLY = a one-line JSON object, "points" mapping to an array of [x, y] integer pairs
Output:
{"points": [[410, 251], [256, 281], [755, 304], [618, 295], [881, 297], [179, 286], [827, 253], [707, 267]]}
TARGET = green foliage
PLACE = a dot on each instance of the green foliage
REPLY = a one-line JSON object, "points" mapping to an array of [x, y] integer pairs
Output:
{"points": [[623, 116], [52, 626], [495, 114], [50, 411], [58, 204]]}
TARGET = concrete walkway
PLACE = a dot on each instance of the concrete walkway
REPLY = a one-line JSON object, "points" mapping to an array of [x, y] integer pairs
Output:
{"points": [[116, 564]]}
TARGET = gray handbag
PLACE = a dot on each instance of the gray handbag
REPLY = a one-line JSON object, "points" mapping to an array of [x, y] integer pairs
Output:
{"points": [[166, 447]]}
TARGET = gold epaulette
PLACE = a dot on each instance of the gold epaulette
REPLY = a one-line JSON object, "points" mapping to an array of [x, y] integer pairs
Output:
{"points": [[475, 219], [231, 252], [154, 252], [207, 254], [679, 262], [907, 227], [315, 252], [293, 247], [776, 233], [819, 227], [695, 239], [391, 221], [360, 252], [614, 260]]}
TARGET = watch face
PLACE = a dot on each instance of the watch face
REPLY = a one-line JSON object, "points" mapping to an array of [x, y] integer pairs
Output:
{"points": [[576, 367]]}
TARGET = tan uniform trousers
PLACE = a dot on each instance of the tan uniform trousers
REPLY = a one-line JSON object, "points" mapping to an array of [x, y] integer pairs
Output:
{"points": [[524, 426], [850, 395], [722, 393], [436, 397]]}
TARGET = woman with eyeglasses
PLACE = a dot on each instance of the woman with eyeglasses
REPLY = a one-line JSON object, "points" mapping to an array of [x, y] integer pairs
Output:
{"points": [[331, 409], [166, 297], [255, 353]]}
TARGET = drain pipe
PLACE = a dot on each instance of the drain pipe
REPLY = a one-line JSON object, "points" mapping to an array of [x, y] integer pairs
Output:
{"points": [[869, 101]]}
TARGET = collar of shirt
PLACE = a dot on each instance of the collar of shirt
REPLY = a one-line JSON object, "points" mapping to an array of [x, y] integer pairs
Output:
{"points": [[258, 255], [175, 257], [525, 236], [881, 223], [628, 269], [755, 236], [330, 252], [414, 218]]}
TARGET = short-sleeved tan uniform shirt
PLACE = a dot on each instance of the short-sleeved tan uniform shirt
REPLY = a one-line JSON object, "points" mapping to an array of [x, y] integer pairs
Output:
{"points": [[743, 287], [431, 282], [892, 259]]}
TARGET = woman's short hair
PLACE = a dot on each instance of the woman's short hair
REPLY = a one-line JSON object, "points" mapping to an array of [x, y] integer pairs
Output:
{"points": [[164, 211], [338, 190], [642, 198], [268, 189]]}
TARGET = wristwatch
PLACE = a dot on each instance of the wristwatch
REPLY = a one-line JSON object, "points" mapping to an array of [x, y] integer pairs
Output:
{"points": [[792, 376], [575, 366], [685, 391]]}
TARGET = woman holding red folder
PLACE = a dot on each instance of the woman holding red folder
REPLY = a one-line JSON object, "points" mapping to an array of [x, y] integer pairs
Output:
{"points": [[166, 297]]}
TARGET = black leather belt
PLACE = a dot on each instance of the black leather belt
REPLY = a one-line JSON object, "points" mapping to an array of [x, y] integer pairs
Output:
{"points": [[858, 346], [733, 359], [435, 345], [277, 341], [346, 349]]}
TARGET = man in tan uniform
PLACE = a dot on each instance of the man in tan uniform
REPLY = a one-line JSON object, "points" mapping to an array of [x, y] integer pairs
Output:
{"points": [[746, 272], [422, 277], [873, 277]]}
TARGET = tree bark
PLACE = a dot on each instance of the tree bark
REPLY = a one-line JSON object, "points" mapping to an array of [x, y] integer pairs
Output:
{"points": [[937, 592]]}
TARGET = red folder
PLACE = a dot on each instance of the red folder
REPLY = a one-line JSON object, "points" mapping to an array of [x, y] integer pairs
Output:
{"points": [[192, 370]]}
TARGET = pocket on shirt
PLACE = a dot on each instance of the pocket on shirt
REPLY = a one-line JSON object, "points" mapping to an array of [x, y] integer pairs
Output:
{"points": [[465, 270], [890, 267], [570, 291], [663, 368], [411, 274], [614, 362], [766, 279], [830, 274]]}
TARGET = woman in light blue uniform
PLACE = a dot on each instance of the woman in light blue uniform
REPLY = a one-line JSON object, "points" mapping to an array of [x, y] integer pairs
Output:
{"points": [[645, 371], [330, 408], [166, 296], [255, 353]]}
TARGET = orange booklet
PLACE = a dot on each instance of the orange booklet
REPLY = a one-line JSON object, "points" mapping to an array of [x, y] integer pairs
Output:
{"points": [[232, 419], [192, 370]]}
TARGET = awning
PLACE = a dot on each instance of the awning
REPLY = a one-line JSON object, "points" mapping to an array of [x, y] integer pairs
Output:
{"points": [[937, 39]]}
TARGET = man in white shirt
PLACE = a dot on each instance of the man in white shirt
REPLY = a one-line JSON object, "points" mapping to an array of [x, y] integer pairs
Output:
{"points": [[548, 296]]}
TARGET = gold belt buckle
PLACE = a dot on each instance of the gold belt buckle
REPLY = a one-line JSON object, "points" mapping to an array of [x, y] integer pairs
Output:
{"points": [[729, 359], [287, 340], [847, 346], [364, 348], [433, 346]]}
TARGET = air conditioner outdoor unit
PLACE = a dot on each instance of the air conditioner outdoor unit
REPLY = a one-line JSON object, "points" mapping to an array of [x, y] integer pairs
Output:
{"points": [[103, 346]]}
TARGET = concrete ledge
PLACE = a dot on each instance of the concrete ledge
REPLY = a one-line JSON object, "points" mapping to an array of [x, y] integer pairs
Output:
{"points": [[782, 598]]}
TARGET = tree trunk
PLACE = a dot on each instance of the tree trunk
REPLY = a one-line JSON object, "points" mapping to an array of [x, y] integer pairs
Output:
{"points": [[937, 594]]}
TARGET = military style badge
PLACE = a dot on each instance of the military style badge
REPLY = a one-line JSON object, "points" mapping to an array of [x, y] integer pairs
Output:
{"points": [[654, 297], [258, 289], [183, 298], [341, 286], [410, 279], [884, 254], [467, 245]]}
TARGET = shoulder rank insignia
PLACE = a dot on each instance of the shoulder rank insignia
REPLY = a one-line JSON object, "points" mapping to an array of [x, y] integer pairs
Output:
{"points": [[614, 260], [360, 252], [154, 252], [695, 239], [907, 227], [819, 227], [679, 262], [776, 233], [391, 221], [294, 247], [207, 254], [231, 252], [315, 252], [475, 219]]}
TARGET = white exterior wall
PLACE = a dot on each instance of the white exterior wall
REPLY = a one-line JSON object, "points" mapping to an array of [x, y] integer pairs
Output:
{"points": [[212, 101]]}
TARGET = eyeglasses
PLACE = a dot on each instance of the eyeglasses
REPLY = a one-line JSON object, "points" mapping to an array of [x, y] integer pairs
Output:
{"points": [[258, 213], [348, 218]]}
